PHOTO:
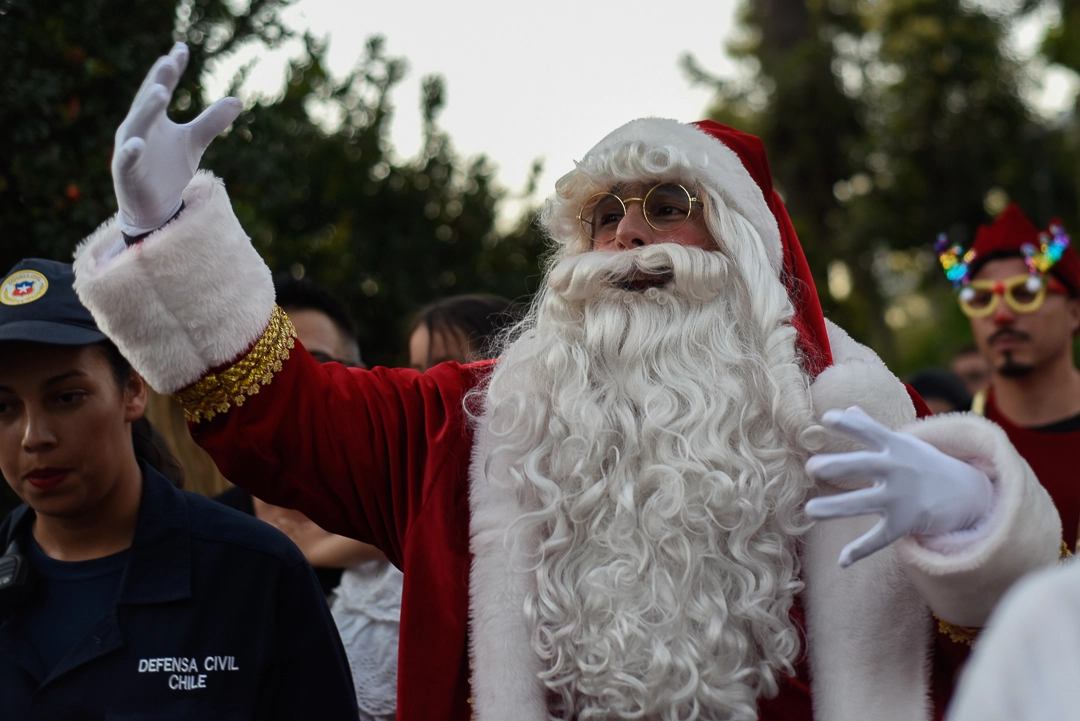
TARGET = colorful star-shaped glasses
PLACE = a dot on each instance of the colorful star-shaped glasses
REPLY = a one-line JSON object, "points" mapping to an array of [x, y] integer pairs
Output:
{"points": [[1022, 293]]}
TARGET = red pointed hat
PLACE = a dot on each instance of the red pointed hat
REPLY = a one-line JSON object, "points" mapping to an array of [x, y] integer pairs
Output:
{"points": [[1012, 230]]}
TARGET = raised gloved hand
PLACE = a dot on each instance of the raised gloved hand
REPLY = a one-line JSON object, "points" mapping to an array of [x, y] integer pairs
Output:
{"points": [[917, 488], [154, 158]]}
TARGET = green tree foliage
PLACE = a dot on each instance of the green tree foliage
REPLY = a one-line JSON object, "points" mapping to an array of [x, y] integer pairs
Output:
{"points": [[1062, 46], [68, 72], [311, 173], [324, 198], [1062, 43], [888, 122]]}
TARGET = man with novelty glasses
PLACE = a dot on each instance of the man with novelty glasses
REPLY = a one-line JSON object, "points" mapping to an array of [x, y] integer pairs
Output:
{"points": [[1018, 287]]}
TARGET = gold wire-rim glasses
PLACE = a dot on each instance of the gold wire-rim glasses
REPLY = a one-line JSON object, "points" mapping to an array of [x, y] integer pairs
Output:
{"points": [[975, 303], [663, 225]]}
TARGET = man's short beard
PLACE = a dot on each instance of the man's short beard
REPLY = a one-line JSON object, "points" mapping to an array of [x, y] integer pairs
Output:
{"points": [[1010, 368], [654, 433]]}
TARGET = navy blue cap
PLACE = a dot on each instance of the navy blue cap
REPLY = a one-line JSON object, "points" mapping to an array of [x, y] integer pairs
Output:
{"points": [[38, 303]]}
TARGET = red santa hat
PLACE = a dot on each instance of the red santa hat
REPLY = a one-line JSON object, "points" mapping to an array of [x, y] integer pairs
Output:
{"points": [[732, 164], [1007, 236]]}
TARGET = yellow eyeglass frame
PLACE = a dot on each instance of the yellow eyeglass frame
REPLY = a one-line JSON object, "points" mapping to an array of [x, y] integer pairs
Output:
{"points": [[1006, 288]]}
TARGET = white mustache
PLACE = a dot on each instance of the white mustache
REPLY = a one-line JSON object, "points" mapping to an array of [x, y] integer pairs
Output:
{"points": [[665, 268]]}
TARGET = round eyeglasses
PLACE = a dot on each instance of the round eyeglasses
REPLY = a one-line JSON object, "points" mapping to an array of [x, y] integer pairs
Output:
{"points": [[666, 207], [1022, 293]]}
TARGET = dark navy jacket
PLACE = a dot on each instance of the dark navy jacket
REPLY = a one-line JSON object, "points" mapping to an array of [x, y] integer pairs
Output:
{"points": [[218, 617]]}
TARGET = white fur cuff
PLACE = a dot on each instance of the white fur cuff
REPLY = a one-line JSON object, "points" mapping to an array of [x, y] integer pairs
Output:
{"points": [[962, 575], [193, 296]]}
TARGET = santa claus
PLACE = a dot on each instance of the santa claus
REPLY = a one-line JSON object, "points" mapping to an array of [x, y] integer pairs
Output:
{"points": [[612, 520]]}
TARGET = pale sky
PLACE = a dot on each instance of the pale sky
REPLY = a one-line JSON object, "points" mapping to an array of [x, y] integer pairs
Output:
{"points": [[523, 80], [545, 79]]}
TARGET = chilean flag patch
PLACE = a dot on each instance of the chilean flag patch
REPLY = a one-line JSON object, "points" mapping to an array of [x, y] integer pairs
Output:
{"points": [[23, 286]]}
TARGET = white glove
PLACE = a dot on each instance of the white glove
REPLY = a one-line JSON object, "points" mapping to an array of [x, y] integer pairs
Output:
{"points": [[917, 488], [154, 158]]}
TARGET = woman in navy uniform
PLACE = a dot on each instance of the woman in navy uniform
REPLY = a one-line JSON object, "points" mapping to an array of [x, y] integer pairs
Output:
{"points": [[122, 597]]}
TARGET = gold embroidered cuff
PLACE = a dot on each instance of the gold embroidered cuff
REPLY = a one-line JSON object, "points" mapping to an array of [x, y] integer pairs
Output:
{"points": [[218, 392]]}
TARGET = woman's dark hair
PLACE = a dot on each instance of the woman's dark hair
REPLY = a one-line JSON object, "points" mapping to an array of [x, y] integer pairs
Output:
{"points": [[148, 443], [479, 318]]}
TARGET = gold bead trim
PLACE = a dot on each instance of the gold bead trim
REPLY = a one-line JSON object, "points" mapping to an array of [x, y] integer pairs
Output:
{"points": [[958, 634], [218, 392], [968, 634]]}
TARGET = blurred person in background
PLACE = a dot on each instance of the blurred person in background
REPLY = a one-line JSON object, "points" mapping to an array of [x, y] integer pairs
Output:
{"points": [[321, 318], [459, 328], [970, 366], [669, 399], [1018, 286], [119, 593], [942, 390]]}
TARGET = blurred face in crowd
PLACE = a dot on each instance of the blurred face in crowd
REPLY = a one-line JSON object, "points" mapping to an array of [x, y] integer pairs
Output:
{"points": [[427, 349], [971, 368], [65, 428], [1016, 344], [322, 338]]}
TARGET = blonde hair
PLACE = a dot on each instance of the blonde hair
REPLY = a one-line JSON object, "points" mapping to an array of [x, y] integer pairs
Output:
{"points": [[200, 473]]}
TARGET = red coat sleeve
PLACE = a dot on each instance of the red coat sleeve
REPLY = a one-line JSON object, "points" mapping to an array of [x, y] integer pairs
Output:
{"points": [[357, 451]]}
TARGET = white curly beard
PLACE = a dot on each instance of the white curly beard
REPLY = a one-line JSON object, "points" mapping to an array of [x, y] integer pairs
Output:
{"points": [[655, 440]]}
